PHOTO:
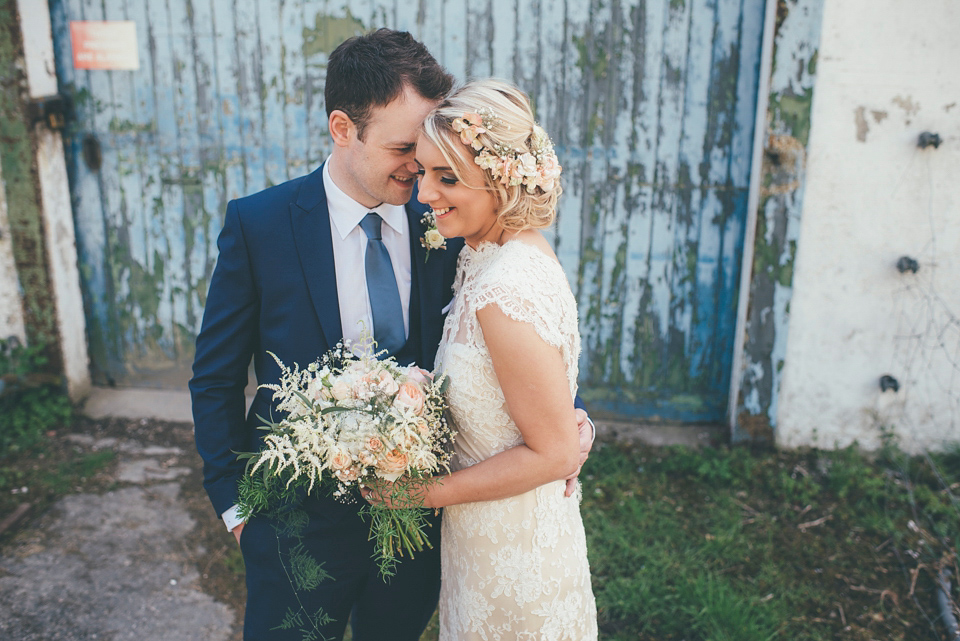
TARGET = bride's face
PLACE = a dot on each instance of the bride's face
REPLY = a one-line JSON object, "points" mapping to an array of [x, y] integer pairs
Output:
{"points": [[463, 208]]}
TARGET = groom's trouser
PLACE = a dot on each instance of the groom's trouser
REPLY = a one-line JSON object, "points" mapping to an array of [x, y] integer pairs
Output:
{"points": [[336, 537]]}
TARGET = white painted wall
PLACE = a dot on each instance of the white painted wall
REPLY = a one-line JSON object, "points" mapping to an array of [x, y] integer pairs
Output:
{"points": [[59, 234], [887, 71], [11, 305]]}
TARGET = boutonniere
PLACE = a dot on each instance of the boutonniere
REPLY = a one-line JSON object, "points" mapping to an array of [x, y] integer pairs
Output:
{"points": [[431, 239]]}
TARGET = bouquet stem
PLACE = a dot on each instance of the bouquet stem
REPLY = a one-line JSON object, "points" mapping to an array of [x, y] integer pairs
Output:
{"points": [[397, 533]]}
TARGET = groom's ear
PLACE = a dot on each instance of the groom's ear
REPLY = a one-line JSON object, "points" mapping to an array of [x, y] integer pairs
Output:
{"points": [[342, 129]]}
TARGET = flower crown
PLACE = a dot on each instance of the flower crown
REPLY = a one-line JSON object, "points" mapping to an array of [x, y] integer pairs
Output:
{"points": [[532, 168]]}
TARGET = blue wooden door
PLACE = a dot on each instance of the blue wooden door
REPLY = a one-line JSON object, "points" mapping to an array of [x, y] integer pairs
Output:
{"points": [[651, 105]]}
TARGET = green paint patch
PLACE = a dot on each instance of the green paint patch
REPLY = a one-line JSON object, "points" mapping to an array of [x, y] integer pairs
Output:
{"points": [[785, 277], [124, 126], [328, 32], [594, 62], [812, 65], [721, 127], [791, 114], [185, 340], [773, 259], [145, 287], [648, 400]]}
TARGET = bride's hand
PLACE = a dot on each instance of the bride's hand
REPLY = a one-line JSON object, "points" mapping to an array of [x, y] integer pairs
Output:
{"points": [[585, 430], [378, 494], [385, 494]]}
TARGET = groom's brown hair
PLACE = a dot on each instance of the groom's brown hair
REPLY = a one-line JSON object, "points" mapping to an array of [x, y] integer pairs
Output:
{"points": [[371, 70]]}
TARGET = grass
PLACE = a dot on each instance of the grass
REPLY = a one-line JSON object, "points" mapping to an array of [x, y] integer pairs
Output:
{"points": [[729, 543], [37, 465], [40, 475]]}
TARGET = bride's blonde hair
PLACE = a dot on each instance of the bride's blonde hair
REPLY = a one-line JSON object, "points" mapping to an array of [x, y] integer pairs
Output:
{"points": [[508, 130]]}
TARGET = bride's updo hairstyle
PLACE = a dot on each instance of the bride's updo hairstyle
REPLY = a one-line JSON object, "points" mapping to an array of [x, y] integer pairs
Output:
{"points": [[492, 122]]}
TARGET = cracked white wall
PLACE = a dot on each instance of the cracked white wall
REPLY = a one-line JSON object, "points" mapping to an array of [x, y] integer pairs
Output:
{"points": [[886, 73]]}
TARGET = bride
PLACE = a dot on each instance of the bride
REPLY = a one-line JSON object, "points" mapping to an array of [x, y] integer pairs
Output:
{"points": [[514, 556]]}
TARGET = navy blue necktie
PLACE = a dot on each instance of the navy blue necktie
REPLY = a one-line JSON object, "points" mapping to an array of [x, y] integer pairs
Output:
{"points": [[382, 289]]}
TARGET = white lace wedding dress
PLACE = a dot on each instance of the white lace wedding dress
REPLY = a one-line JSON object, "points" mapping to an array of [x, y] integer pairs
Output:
{"points": [[514, 568]]}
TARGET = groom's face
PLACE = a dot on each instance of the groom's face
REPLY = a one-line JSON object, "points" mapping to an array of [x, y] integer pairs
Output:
{"points": [[382, 166]]}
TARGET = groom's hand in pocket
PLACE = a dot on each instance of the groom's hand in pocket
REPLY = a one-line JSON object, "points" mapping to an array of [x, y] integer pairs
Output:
{"points": [[585, 428], [236, 532]]}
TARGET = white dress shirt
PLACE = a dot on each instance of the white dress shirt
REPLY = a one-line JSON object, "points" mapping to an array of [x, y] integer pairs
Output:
{"points": [[349, 251]]}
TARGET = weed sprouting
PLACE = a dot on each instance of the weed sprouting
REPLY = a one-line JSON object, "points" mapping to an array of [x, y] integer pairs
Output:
{"points": [[31, 401]]}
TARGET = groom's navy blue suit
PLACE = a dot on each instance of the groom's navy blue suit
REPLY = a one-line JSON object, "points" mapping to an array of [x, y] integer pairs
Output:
{"points": [[274, 289]]}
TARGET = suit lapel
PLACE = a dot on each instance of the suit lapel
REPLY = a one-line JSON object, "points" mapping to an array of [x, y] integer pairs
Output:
{"points": [[310, 219], [427, 276]]}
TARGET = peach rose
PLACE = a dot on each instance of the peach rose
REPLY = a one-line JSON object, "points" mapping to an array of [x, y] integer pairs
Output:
{"points": [[395, 461], [549, 172], [410, 396], [392, 466], [373, 444], [419, 375], [341, 390], [340, 460], [387, 383]]}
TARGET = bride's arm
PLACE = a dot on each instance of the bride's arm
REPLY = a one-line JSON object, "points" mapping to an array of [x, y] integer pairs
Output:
{"points": [[533, 377]]}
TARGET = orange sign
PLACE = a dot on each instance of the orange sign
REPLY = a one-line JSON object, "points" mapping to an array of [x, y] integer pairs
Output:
{"points": [[105, 45]]}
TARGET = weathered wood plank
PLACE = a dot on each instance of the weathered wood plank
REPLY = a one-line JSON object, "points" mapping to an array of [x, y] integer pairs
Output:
{"points": [[706, 35], [122, 182], [638, 329], [778, 221], [209, 49], [563, 127], [453, 45], [612, 134], [660, 356], [292, 90], [204, 224], [249, 74]]}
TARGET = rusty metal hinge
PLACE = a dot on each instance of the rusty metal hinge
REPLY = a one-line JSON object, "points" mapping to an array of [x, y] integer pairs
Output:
{"points": [[50, 110]]}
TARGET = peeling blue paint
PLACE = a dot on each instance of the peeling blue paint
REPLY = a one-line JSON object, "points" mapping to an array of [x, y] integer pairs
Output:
{"points": [[651, 105], [778, 220]]}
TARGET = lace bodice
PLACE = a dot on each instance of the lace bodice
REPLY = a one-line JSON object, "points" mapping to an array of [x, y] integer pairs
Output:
{"points": [[530, 287], [516, 568]]}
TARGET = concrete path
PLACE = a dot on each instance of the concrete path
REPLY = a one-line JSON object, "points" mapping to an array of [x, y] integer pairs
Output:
{"points": [[117, 566]]}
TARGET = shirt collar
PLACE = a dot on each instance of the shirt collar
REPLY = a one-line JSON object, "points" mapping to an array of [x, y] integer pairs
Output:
{"points": [[346, 213]]}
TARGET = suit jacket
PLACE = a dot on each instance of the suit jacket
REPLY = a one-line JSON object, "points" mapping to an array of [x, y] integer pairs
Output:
{"points": [[274, 289]]}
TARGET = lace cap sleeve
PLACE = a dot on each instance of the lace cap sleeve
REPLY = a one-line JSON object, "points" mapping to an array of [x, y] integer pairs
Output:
{"points": [[531, 287]]}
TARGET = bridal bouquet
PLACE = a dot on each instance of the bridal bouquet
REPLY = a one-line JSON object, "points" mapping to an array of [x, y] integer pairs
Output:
{"points": [[352, 420]]}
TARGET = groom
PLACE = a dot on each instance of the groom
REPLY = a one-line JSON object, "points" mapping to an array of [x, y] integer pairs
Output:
{"points": [[300, 265]]}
